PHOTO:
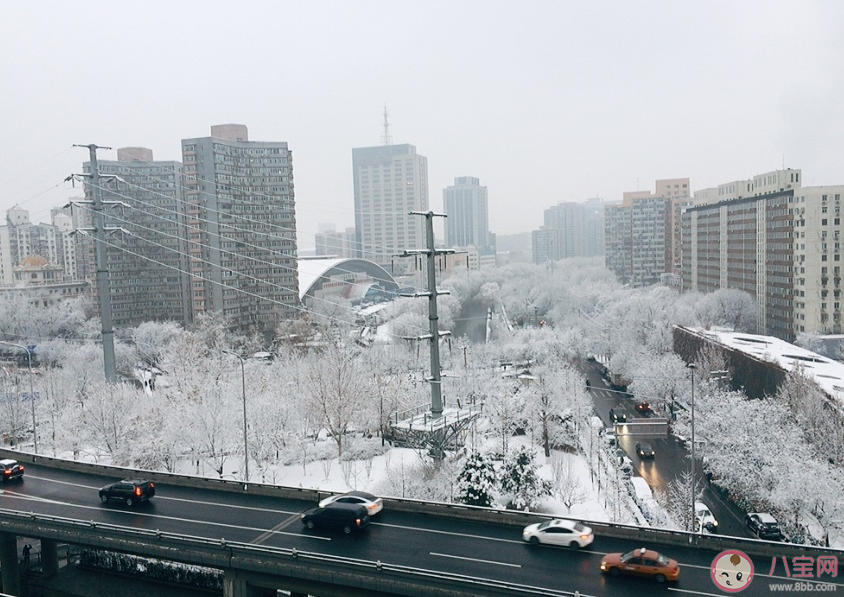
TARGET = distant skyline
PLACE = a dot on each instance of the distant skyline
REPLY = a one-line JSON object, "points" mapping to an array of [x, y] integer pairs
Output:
{"points": [[543, 101]]}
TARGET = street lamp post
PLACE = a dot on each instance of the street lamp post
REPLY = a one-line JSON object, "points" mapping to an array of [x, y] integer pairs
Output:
{"points": [[692, 366], [31, 395], [245, 443]]}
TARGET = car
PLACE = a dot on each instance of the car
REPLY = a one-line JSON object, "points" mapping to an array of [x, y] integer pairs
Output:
{"points": [[645, 450], [339, 515], [641, 562], [559, 531], [609, 435], [372, 503], [130, 491], [11, 469], [763, 525], [618, 415], [704, 519], [644, 408]]}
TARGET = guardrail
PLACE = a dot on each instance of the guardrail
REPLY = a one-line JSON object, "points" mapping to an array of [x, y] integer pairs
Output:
{"points": [[650, 535]]}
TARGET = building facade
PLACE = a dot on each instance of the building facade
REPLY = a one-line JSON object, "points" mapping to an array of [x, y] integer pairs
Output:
{"points": [[643, 234], [20, 238], [143, 204], [390, 181], [466, 206], [570, 230], [241, 222], [774, 239]]}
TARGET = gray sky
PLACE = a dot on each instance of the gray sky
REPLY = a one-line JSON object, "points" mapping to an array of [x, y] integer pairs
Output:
{"points": [[544, 101]]}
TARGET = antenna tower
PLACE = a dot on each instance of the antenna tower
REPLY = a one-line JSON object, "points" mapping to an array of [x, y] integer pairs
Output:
{"points": [[386, 138]]}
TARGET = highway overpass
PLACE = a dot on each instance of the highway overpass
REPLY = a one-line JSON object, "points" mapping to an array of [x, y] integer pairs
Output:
{"points": [[254, 535]]}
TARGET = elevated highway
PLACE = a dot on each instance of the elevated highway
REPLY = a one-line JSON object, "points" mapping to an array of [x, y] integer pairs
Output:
{"points": [[254, 535]]}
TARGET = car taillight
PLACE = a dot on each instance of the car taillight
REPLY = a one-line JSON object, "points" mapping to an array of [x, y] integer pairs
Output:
{"points": [[584, 537], [152, 485], [138, 491], [7, 471], [357, 521], [21, 467]]}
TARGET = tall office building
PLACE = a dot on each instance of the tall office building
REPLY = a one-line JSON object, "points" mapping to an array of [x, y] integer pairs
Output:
{"points": [[390, 181], [147, 248], [467, 209], [774, 239], [241, 223]]}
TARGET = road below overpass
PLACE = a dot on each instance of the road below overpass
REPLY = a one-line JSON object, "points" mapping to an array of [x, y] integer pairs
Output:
{"points": [[404, 538]]}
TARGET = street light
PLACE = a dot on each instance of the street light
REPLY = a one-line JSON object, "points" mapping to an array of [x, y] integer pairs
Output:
{"points": [[245, 444], [692, 366], [31, 395]]}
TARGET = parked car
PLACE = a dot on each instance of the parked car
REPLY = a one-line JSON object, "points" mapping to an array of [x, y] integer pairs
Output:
{"points": [[347, 517], [609, 435], [643, 408], [641, 562], [560, 531], [130, 491], [763, 525], [618, 415], [704, 519], [11, 469], [372, 503], [645, 450]]}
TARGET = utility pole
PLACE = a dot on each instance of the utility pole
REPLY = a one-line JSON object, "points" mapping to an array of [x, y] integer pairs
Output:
{"points": [[103, 286], [433, 319]]}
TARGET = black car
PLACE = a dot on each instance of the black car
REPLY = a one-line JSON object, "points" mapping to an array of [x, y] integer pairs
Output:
{"points": [[337, 515], [645, 450], [11, 469], [130, 491], [618, 415], [763, 525]]}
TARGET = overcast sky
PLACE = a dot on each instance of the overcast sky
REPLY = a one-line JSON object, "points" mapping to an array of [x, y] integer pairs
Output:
{"points": [[543, 101]]}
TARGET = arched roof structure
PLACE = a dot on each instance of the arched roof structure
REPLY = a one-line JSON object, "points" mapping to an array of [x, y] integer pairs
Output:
{"points": [[313, 273]]}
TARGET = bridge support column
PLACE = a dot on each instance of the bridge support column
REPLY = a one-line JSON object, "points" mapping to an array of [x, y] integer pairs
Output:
{"points": [[49, 557], [10, 575], [234, 586]]}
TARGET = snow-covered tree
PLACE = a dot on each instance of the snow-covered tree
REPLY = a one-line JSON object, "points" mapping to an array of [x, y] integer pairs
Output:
{"points": [[335, 388], [476, 482], [520, 480]]}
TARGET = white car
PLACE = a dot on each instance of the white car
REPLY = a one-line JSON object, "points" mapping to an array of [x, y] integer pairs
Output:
{"points": [[373, 504], [559, 531], [704, 519]]}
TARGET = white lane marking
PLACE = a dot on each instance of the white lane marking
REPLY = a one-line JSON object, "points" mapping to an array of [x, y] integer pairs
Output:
{"points": [[173, 499], [445, 555], [135, 513]]}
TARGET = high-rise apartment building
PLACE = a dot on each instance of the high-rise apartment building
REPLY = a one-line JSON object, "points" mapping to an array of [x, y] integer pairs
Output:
{"points": [[642, 234], [147, 248], [774, 239], [570, 230], [389, 182], [466, 206], [241, 224], [20, 238]]}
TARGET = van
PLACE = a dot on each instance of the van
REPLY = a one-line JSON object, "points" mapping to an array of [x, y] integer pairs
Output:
{"points": [[337, 515]]}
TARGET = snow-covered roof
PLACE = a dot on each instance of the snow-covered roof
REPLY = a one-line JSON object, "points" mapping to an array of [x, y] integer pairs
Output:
{"points": [[827, 373], [311, 270]]}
